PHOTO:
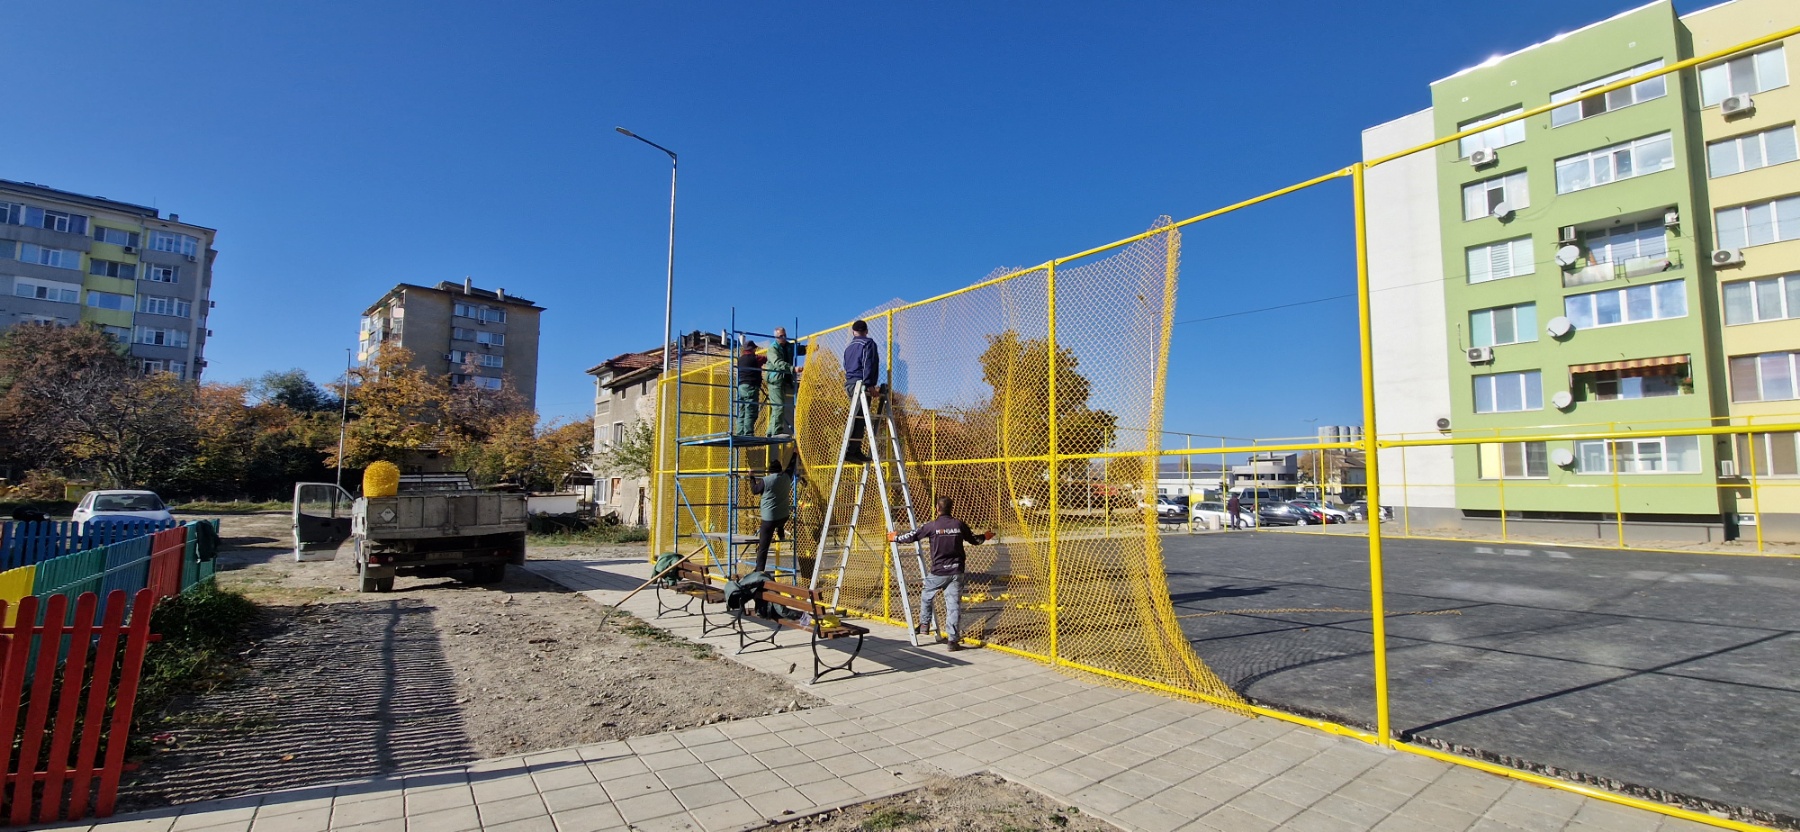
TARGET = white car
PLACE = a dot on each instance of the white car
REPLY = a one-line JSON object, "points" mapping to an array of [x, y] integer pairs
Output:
{"points": [[1210, 513], [121, 505]]}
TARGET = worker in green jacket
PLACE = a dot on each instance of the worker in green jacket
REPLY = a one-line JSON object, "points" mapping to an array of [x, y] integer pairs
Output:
{"points": [[780, 384]]}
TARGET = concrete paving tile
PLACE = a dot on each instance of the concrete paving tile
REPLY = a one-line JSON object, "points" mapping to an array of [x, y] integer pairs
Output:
{"points": [[510, 809], [800, 774], [1061, 780], [1103, 798], [653, 743], [1605, 816], [759, 743], [720, 816], [388, 807], [1237, 820], [733, 766], [1353, 813], [637, 785], [877, 781], [1266, 807], [598, 818], [517, 785], [1435, 815], [454, 819], [778, 803], [1406, 823], [673, 758], [700, 795], [1375, 796], [675, 778], [1152, 818], [638, 810], [755, 783], [575, 797], [309, 820], [389, 825], [830, 792], [419, 803], [204, 819], [615, 769]]}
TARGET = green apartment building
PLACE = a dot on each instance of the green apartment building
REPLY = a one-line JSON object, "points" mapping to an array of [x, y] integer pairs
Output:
{"points": [[1574, 279]]}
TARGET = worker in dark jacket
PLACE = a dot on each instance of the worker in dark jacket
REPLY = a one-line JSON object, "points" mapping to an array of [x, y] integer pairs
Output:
{"points": [[862, 363], [947, 535], [749, 389], [776, 488], [781, 383]]}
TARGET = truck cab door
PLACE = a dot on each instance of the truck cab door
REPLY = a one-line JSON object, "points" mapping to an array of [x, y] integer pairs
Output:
{"points": [[321, 520]]}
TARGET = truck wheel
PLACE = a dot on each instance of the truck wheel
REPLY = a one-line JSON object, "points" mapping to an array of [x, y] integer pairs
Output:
{"points": [[374, 584], [490, 573]]}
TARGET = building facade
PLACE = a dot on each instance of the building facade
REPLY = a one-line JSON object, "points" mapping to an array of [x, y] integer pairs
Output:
{"points": [[472, 335], [1575, 278], [67, 259], [624, 396]]}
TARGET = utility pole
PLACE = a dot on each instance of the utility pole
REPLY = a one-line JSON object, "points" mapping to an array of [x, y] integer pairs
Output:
{"points": [[344, 415]]}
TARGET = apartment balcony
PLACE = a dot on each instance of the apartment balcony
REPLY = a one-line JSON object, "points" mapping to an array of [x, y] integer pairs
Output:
{"points": [[1621, 270]]}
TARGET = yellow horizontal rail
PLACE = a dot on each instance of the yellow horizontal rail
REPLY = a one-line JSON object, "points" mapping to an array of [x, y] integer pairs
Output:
{"points": [[1593, 93]]}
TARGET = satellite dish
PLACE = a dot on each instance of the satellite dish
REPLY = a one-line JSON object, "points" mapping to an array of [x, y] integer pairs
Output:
{"points": [[1502, 211], [1559, 326], [1562, 400], [1563, 457], [1567, 255]]}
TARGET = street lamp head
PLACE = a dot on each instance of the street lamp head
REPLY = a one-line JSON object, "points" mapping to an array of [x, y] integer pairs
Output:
{"points": [[625, 132]]}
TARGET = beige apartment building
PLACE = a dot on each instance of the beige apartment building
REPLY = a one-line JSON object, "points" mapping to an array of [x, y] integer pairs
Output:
{"points": [[474, 336]]}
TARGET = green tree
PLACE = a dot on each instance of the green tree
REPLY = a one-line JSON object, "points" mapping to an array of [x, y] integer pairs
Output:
{"points": [[633, 456], [394, 407]]}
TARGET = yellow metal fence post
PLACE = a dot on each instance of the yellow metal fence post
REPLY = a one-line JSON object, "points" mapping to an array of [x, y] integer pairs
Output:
{"points": [[1755, 492], [1055, 467], [1612, 447], [1372, 459]]}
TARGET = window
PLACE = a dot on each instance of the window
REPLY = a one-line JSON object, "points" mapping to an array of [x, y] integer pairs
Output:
{"points": [[121, 334], [1503, 325], [497, 339], [1611, 164], [492, 315], [154, 305], [25, 287], [1767, 377], [1637, 93], [466, 310], [1509, 392], [59, 258], [114, 236], [1773, 455], [162, 337], [618, 433], [491, 360], [162, 274], [1628, 305], [483, 382], [1765, 299], [485, 314], [457, 357], [1493, 137], [12, 213], [1744, 74], [152, 366], [175, 243], [1752, 225], [1480, 198], [108, 268], [1652, 455], [1513, 461], [109, 300], [1751, 151], [1627, 250], [56, 220], [1508, 258], [457, 333], [1633, 382]]}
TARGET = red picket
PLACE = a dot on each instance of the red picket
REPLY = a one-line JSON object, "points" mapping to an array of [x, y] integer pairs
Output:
{"points": [[137, 638], [43, 681], [12, 676], [167, 549], [74, 675], [85, 761]]}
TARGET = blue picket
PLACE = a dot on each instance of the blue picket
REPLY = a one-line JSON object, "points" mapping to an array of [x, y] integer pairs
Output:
{"points": [[26, 543]]}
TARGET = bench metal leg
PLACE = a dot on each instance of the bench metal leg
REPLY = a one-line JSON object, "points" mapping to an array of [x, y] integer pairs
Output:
{"points": [[746, 641], [663, 607], [821, 667], [707, 627]]}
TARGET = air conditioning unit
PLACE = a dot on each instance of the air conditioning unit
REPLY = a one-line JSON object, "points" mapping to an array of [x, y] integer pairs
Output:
{"points": [[1728, 469], [1737, 105], [1484, 156], [1671, 219], [1566, 235], [450, 357], [1480, 355], [131, 249], [193, 259], [1728, 257]]}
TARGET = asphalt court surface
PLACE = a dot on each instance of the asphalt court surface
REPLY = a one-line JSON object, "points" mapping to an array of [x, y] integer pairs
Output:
{"points": [[1677, 672]]}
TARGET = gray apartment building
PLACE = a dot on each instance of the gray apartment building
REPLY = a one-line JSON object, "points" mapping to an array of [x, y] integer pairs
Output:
{"points": [[66, 259], [474, 336]]}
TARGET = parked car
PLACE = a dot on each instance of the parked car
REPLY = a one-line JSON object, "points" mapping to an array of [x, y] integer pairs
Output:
{"points": [[1210, 513], [120, 505], [1284, 514], [1359, 510], [1331, 515], [1169, 511]]}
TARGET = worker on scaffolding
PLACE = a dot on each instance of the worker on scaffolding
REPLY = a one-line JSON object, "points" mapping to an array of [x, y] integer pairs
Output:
{"points": [[862, 365], [778, 373], [777, 491], [749, 389], [947, 535]]}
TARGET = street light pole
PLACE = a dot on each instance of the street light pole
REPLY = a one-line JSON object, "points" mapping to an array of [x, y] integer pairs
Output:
{"points": [[343, 417], [662, 404]]}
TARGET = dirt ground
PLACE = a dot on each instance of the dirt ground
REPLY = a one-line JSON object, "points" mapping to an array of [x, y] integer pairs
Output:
{"points": [[980, 803], [339, 685]]}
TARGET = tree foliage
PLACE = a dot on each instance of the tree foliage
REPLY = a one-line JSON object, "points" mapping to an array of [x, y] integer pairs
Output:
{"points": [[633, 456]]}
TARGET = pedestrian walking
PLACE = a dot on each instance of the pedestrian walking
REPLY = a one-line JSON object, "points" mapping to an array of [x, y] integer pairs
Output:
{"points": [[779, 380], [862, 365], [1232, 506], [947, 535], [749, 389]]}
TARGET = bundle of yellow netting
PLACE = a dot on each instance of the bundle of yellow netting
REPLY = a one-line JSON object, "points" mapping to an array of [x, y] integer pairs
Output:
{"points": [[381, 479]]}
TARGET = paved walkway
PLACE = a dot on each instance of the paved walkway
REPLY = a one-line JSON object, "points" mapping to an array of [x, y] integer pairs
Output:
{"points": [[1136, 759]]}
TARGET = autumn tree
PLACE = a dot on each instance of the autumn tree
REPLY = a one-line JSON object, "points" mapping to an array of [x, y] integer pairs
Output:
{"points": [[395, 407]]}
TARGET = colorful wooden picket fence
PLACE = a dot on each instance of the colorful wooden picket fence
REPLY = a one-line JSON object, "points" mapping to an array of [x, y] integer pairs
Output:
{"points": [[69, 670], [26, 543]]}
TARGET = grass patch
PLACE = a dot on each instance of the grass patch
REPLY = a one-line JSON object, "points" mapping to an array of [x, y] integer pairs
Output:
{"points": [[883, 820], [597, 535], [231, 507], [638, 629], [202, 630]]}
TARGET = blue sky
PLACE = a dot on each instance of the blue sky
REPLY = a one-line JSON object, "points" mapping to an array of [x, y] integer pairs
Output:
{"points": [[834, 156]]}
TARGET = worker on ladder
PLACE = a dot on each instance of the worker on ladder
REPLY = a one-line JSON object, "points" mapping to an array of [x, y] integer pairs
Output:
{"points": [[862, 365]]}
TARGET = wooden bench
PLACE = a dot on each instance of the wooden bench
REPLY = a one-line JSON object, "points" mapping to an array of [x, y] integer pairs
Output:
{"points": [[692, 585], [780, 597]]}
